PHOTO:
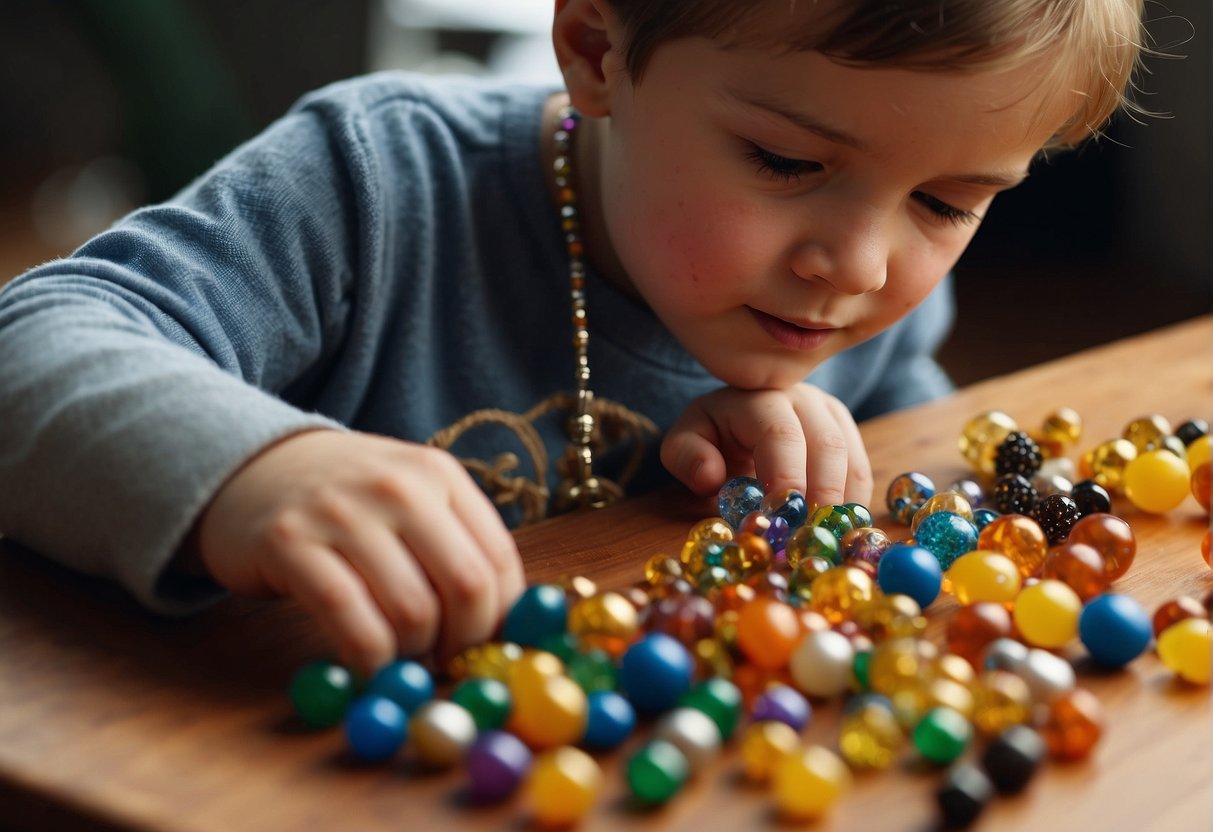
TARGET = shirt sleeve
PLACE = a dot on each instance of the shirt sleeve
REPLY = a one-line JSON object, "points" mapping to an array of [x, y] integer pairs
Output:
{"points": [[138, 374]]}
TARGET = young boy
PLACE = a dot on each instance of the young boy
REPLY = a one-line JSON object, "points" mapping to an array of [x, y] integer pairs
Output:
{"points": [[754, 194]]}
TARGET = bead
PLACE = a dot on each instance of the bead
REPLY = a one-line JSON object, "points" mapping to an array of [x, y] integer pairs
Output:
{"points": [[593, 670], [788, 505], [440, 733], [491, 660], [1013, 757], [912, 571], [1091, 498], [563, 786], [1185, 648], [540, 610], [719, 699], [1108, 461], [838, 591], [1201, 486], [550, 713], [1056, 514], [947, 536], [767, 632], [1174, 611], [1074, 725], [497, 763], [1013, 494], [1000, 699], [942, 735], [821, 663], [870, 737], [687, 618], [782, 703], [406, 683], [1148, 432], [812, 541], [1063, 426], [836, 519], [1046, 613], [1017, 454], [1114, 629], [865, 543], [1157, 481], [763, 745], [1047, 675], [981, 437], [655, 672], [657, 771], [942, 501], [737, 498], [487, 700], [1018, 537], [1111, 537], [891, 616], [607, 621], [661, 567], [610, 720], [1191, 430], [982, 575], [321, 692], [971, 490], [374, 727], [982, 517], [1198, 451], [906, 495], [693, 733], [808, 782], [1078, 566], [962, 795]]}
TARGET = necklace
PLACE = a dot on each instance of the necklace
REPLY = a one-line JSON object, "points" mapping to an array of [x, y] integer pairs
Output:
{"points": [[580, 487]]}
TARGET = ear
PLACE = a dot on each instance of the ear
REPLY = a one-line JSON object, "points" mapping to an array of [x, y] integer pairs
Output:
{"points": [[587, 37]]}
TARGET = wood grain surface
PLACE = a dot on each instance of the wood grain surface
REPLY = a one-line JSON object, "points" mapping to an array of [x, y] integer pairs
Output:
{"points": [[112, 718]]}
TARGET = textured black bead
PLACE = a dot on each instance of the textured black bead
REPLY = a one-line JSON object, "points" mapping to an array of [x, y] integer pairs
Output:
{"points": [[1018, 454], [1011, 758], [1091, 498], [1056, 515], [1192, 430], [1014, 494], [962, 795]]}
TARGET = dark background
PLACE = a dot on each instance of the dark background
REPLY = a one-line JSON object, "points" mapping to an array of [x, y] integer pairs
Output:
{"points": [[106, 104]]}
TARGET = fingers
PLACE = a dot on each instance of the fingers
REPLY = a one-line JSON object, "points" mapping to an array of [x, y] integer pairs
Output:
{"points": [[479, 516], [829, 451], [691, 452], [859, 482]]}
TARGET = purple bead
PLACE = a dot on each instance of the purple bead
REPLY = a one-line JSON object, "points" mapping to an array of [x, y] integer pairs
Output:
{"points": [[778, 533], [780, 703], [497, 763]]}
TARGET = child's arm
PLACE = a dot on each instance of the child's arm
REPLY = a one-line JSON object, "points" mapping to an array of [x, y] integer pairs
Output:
{"points": [[801, 438]]}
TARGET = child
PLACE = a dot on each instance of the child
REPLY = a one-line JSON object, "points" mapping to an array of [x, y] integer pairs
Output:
{"points": [[234, 390]]}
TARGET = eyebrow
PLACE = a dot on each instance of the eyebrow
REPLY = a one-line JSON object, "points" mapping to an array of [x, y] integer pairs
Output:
{"points": [[812, 125]]}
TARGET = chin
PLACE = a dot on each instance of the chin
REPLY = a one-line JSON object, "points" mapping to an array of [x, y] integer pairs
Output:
{"points": [[760, 374]]}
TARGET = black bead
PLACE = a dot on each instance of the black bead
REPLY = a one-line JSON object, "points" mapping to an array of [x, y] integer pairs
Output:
{"points": [[1013, 757], [1056, 515], [1091, 498], [1014, 494], [1018, 454], [1192, 430], [962, 795]]}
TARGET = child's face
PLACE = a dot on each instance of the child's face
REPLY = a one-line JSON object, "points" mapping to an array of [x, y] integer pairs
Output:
{"points": [[768, 245]]}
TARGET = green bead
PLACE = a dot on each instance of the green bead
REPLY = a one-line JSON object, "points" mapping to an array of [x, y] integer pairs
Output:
{"points": [[942, 735], [720, 699], [487, 700], [321, 692], [860, 668], [860, 515], [835, 519], [561, 645], [593, 670], [657, 771]]}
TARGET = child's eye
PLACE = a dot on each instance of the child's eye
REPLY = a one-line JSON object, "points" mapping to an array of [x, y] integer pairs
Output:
{"points": [[780, 167], [945, 212]]}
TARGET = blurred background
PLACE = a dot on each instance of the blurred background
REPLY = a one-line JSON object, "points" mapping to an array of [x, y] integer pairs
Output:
{"points": [[109, 104]]}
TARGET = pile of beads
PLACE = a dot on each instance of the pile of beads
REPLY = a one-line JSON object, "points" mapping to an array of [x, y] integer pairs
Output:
{"points": [[776, 603]]}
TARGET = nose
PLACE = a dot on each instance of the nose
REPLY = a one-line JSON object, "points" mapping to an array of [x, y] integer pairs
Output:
{"points": [[848, 250]]}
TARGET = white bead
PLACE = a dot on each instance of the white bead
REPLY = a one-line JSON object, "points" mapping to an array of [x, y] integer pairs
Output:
{"points": [[694, 734], [440, 732], [821, 664]]}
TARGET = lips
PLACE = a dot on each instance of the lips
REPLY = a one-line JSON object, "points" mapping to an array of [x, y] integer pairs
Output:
{"points": [[793, 336]]}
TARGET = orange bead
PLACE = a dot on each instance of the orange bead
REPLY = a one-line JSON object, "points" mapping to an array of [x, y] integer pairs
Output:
{"points": [[1112, 537], [975, 626], [767, 632], [1018, 537], [1176, 610], [1200, 485], [1074, 725], [1079, 566]]}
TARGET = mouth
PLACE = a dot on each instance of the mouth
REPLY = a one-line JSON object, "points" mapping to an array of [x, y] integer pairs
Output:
{"points": [[804, 337]]}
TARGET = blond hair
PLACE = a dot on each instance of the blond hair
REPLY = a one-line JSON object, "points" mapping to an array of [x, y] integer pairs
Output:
{"points": [[1093, 46]]}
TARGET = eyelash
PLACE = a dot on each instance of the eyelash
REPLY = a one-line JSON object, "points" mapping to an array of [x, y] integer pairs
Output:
{"points": [[790, 170]]}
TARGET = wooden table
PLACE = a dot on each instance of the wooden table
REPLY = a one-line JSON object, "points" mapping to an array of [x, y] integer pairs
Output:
{"points": [[112, 718]]}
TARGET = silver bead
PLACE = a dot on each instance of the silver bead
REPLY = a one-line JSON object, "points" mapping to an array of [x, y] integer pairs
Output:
{"points": [[1048, 675], [693, 733], [440, 732], [1005, 654]]}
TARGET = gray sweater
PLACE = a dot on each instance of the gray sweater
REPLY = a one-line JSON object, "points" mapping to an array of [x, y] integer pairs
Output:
{"points": [[384, 258]]}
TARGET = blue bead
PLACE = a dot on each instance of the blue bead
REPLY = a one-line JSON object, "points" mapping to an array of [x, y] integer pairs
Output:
{"points": [[794, 510], [906, 494], [406, 683], [375, 727], [1115, 629], [541, 611], [610, 720], [737, 498], [946, 535], [780, 703], [910, 570], [655, 671], [983, 516]]}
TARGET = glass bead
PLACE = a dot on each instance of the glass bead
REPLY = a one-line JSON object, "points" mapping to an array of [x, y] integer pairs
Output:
{"points": [[1063, 425], [562, 786], [1174, 611], [812, 542], [737, 498], [808, 782], [942, 735], [981, 437], [1017, 454], [870, 737], [540, 610], [577, 587], [1108, 460], [1046, 613], [1185, 648], [782, 703], [528, 672], [660, 567], [1000, 699], [1191, 430], [1198, 452], [1013, 757], [901, 663], [836, 519], [655, 672], [1074, 725], [1091, 498], [441, 732], [1112, 537], [550, 713], [753, 553], [982, 517], [942, 501], [962, 795], [720, 699], [593, 670], [406, 683], [767, 632], [983, 575], [769, 584], [496, 763], [1148, 432], [1047, 674], [1078, 566], [763, 745], [861, 515], [491, 660], [713, 658], [375, 727], [693, 733], [656, 772], [1018, 537], [713, 528], [1056, 514], [907, 493], [891, 616], [947, 536], [821, 664], [713, 579], [1114, 629], [1200, 485], [1013, 494], [561, 645], [942, 692], [911, 570], [838, 591], [1156, 481], [865, 543], [972, 628], [606, 621], [687, 618], [487, 700], [610, 720], [321, 691], [789, 505]]}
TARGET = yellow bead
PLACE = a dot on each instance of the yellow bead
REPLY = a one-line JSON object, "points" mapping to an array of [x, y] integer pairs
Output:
{"points": [[1047, 613], [984, 576], [1198, 452], [1000, 699], [763, 745], [952, 501], [837, 592], [1063, 425], [870, 737], [527, 673], [1157, 481], [563, 786], [1148, 432], [808, 782], [607, 621], [660, 568], [553, 714], [982, 436], [1185, 648], [1108, 461], [487, 661]]}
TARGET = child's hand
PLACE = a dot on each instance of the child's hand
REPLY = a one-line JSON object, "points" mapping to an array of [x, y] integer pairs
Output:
{"points": [[390, 546], [799, 438]]}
